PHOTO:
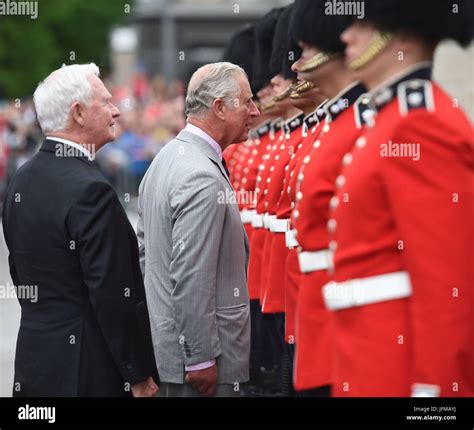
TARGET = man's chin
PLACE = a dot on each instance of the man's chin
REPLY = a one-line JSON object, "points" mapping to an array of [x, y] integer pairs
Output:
{"points": [[110, 138], [244, 136]]}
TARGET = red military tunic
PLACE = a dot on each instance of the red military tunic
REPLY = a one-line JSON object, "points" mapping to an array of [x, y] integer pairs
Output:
{"points": [[315, 187], [230, 156], [290, 270], [262, 205], [273, 292], [240, 157], [401, 227], [250, 173], [258, 231]]}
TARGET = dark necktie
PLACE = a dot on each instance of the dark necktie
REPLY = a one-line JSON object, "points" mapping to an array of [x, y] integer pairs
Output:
{"points": [[224, 164]]}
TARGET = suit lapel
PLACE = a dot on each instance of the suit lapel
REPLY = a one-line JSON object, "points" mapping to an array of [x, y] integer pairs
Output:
{"points": [[188, 137], [203, 146]]}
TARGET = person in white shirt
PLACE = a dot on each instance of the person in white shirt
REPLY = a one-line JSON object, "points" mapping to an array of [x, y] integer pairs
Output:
{"points": [[88, 332], [193, 247]]}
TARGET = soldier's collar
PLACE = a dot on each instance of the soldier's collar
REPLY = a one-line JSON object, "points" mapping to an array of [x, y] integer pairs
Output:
{"points": [[314, 118], [343, 100], [262, 129], [293, 123], [275, 125], [386, 91], [364, 111]]}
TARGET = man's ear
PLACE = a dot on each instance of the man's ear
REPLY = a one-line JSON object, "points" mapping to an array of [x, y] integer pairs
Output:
{"points": [[77, 114], [218, 108]]}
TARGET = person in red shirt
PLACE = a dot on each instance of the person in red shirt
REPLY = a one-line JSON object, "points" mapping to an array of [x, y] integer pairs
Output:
{"points": [[322, 63], [270, 170], [400, 222], [246, 168]]}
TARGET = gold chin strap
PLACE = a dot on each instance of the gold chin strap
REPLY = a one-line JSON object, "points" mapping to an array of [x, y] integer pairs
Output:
{"points": [[317, 61], [284, 94], [300, 89], [267, 106], [380, 41]]}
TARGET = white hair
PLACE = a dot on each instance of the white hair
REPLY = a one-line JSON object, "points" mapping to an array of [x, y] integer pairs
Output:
{"points": [[55, 95], [209, 82]]}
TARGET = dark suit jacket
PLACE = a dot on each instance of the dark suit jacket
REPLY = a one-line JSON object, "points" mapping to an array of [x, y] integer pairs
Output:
{"points": [[88, 334]]}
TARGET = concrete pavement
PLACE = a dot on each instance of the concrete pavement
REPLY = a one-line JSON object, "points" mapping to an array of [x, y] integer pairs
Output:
{"points": [[9, 323]]}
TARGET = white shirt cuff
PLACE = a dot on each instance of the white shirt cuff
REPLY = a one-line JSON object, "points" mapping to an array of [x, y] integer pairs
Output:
{"points": [[200, 366]]}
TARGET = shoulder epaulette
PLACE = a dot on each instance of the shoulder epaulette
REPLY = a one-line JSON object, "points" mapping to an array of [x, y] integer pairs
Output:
{"points": [[364, 111], [415, 94]]}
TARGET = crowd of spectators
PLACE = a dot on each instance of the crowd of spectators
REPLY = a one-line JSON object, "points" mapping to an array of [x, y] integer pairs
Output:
{"points": [[152, 112]]}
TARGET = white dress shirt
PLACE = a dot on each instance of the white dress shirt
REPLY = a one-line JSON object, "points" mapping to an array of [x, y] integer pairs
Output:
{"points": [[203, 135]]}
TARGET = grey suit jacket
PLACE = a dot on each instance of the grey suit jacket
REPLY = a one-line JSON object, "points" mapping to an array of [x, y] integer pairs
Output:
{"points": [[193, 255]]}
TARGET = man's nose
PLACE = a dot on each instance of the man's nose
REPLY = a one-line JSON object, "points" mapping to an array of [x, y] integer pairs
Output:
{"points": [[274, 81], [346, 35], [115, 112], [254, 111], [294, 66]]}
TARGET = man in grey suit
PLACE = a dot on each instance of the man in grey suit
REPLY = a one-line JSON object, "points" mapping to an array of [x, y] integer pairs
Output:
{"points": [[193, 247]]}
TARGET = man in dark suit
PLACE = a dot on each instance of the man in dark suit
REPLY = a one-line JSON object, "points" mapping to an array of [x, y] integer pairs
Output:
{"points": [[88, 332]]}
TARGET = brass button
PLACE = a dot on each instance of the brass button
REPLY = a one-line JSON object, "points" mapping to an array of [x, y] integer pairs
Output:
{"points": [[340, 181], [331, 225], [334, 202], [361, 141], [347, 159]]}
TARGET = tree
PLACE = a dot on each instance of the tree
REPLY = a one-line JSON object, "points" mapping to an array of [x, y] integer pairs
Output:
{"points": [[65, 31]]}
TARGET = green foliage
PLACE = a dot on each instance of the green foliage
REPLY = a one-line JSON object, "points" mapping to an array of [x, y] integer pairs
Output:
{"points": [[66, 31]]}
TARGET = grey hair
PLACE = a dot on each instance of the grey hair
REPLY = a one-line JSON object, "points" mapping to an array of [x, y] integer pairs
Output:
{"points": [[209, 82], [55, 95]]}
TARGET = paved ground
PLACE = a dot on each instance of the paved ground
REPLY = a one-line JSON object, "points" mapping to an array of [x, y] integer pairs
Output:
{"points": [[10, 317], [9, 323]]}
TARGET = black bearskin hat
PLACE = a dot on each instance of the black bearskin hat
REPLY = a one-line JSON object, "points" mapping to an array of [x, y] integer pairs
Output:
{"points": [[431, 20], [264, 30], [241, 50], [311, 24], [279, 61]]}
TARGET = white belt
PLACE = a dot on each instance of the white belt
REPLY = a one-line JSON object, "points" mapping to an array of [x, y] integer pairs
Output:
{"points": [[257, 221], [267, 220], [280, 225], [247, 215], [290, 239], [365, 291], [312, 261]]}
